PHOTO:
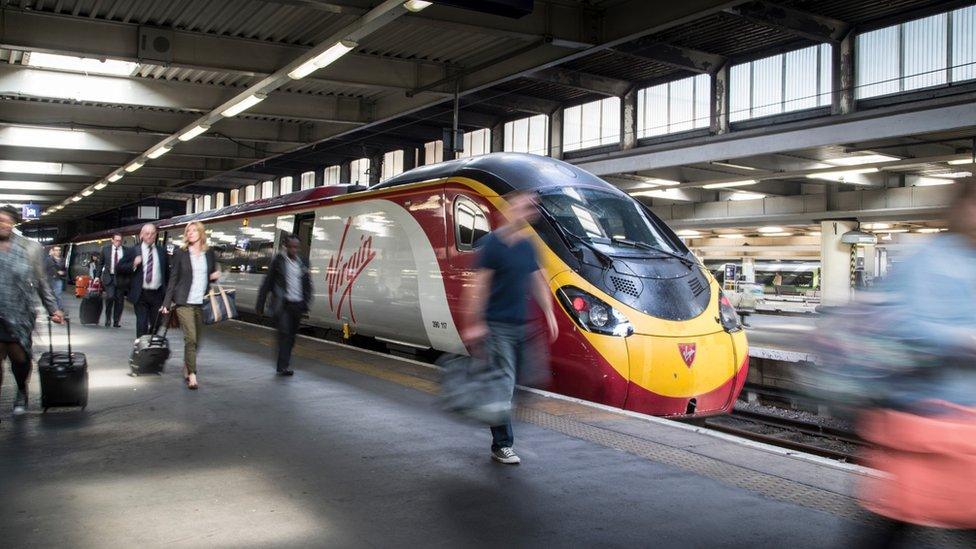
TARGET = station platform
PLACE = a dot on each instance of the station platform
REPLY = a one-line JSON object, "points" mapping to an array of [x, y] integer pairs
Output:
{"points": [[353, 452]]}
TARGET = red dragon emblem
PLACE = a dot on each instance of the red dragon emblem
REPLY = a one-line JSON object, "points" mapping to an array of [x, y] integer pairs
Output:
{"points": [[688, 352], [343, 271]]}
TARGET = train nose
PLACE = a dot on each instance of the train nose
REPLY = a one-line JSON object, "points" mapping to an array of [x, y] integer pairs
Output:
{"points": [[672, 376]]}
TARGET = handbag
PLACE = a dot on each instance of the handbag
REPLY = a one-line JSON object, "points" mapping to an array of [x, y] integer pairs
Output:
{"points": [[219, 305], [473, 389]]}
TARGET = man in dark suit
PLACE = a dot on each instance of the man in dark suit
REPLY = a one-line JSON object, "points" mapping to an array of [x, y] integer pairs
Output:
{"points": [[289, 284], [113, 281], [148, 266]]}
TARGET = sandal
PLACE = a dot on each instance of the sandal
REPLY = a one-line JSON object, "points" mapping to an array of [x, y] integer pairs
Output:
{"points": [[191, 382]]}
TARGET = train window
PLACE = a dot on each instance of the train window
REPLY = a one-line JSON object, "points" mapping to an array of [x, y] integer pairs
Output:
{"points": [[470, 223]]}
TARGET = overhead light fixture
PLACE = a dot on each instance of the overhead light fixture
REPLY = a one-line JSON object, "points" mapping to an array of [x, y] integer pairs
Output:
{"points": [[732, 235], [728, 184], [928, 230], [742, 195], [961, 161], [840, 176], [75, 198], [667, 194], [133, 166], [814, 233], [87, 192], [24, 166], [770, 229], [875, 226], [159, 151], [891, 231], [115, 177], [659, 181], [243, 104], [862, 159], [322, 60], [736, 166], [416, 5], [932, 181], [954, 175], [688, 232], [778, 234], [100, 185], [193, 132], [86, 65]]}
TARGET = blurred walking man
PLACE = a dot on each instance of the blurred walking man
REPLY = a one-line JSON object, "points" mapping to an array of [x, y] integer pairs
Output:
{"points": [[147, 264], [497, 304], [113, 283], [289, 285]]}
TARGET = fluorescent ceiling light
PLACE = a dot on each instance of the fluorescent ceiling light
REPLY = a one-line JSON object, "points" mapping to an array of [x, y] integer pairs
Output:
{"points": [[746, 196], [322, 60], [659, 181], [75, 198], [688, 232], [86, 65], [159, 151], [954, 175], [243, 104], [24, 166], [730, 184], [133, 166], [193, 132], [840, 176], [4, 198], [932, 181], [100, 185], [668, 194], [45, 138], [889, 231], [961, 161], [875, 225], [736, 166], [928, 230], [813, 233], [859, 160], [115, 177], [777, 234], [416, 5], [771, 229], [87, 192], [732, 235]]}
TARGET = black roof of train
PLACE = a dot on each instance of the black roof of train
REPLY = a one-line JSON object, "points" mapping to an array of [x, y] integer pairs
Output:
{"points": [[503, 173]]}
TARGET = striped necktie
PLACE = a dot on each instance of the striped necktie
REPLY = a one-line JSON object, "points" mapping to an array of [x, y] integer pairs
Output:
{"points": [[149, 266]]}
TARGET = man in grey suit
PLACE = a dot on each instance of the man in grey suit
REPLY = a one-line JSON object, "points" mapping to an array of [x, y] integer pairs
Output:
{"points": [[113, 281]]}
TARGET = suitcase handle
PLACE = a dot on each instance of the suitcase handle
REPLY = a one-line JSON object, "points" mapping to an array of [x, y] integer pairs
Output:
{"points": [[155, 325], [50, 339]]}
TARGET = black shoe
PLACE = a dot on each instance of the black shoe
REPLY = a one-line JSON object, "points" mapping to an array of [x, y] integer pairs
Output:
{"points": [[20, 403], [117, 326], [108, 324], [286, 372]]}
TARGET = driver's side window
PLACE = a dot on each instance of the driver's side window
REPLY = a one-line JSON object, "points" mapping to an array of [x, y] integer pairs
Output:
{"points": [[470, 223]]}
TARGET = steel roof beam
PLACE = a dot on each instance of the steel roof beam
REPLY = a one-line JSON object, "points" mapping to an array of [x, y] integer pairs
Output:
{"points": [[673, 56], [798, 23], [516, 102], [593, 83]]}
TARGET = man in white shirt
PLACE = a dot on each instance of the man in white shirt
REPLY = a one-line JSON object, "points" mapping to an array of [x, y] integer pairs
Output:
{"points": [[148, 265], [289, 285], [113, 281]]}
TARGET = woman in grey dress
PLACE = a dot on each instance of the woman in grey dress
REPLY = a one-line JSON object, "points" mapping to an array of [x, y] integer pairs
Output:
{"points": [[22, 270]]}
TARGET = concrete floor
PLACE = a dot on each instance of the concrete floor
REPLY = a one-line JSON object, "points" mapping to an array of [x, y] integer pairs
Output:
{"points": [[336, 458]]}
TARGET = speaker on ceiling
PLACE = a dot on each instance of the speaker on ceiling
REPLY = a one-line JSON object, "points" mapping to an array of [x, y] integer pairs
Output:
{"points": [[155, 44]]}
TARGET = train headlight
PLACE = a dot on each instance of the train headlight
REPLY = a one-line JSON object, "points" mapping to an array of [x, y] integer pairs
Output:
{"points": [[593, 314], [729, 318]]}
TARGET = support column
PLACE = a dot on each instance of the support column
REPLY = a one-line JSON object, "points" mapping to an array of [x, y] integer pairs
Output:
{"points": [[556, 134], [870, 260], [835, 263], [409, 158], [628, 120], [498, 137], [842, 69], [375, 169], [345, 173], [719, 123], [319, 177]]}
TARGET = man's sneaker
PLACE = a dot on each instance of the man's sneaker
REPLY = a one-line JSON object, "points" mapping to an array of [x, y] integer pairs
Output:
{"points": [[20, 404], [506, 455]]}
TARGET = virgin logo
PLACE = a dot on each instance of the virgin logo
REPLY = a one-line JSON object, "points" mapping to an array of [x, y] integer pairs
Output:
{"points": [[688, 352], [344, 270]]}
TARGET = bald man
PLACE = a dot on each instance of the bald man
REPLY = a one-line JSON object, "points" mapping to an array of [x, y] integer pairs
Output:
{"points": [[148, 265]]}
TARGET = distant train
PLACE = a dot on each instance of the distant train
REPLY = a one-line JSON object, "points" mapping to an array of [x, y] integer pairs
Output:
{"points": [[777, 277], [643, 325]]}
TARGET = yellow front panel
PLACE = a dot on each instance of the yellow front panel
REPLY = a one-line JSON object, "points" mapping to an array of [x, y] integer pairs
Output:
{"points": [[656, 363]]}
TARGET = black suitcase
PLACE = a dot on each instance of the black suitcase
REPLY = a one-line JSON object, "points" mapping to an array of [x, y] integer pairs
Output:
{"points": [[150, 352], [64, 375], [91, 309]]}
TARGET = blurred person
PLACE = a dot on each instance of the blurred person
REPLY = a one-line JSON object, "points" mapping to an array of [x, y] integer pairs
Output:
{"points": [[497, 302], [924, 425], [113, 283], [56, 273], [194, 267], [148, 266], [24, 275], [95, 266], [289, 286]]}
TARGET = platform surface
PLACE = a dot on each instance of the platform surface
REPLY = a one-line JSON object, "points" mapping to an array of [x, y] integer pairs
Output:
{"points": [[353, 452]]}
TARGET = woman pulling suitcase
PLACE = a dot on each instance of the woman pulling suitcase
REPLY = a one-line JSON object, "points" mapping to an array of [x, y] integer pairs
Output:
{"points": [[23, 272], [193, 268]]}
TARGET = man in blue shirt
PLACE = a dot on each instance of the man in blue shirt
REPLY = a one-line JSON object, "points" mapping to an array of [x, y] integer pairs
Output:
{"points": [[497, 303]]}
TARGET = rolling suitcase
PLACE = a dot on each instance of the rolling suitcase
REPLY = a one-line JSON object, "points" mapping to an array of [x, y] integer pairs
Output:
{"points": [[91, 308], [64, 376], [150, 352]]}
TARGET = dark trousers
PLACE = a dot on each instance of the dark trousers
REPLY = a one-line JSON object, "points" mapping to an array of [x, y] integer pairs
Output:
{"points": [[289, 318], [114, 303], [147, 309], [20, 363], [506, 349]]}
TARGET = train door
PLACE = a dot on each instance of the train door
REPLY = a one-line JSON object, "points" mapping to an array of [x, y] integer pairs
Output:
{"points": [[304, 223]]}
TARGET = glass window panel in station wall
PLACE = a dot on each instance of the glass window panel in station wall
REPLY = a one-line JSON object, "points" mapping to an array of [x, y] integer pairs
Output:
{"points": [[610, 121], [681, 105], [250, 193], [527, 135], [267, 189], [539, 135], [392, 164], [963, 49], [331, 175], [801, 79], [308, 180], [285, 185], [590, 135], [520, 132], [476, 143], [572, 128], [359, 171], [877, 63], [825, 89], [703, 100], [652, 111], [740, 100], [924, 42], [433, 152], [235, 197], [767, 86], [219, 201]]}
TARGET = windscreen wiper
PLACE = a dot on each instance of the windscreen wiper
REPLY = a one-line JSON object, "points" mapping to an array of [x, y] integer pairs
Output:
{"points": [[635, 244], [569, 236]]}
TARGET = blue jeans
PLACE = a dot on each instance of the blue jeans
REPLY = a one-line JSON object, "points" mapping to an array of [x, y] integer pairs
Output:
{"points": [[57, 286], [506, 350]]}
